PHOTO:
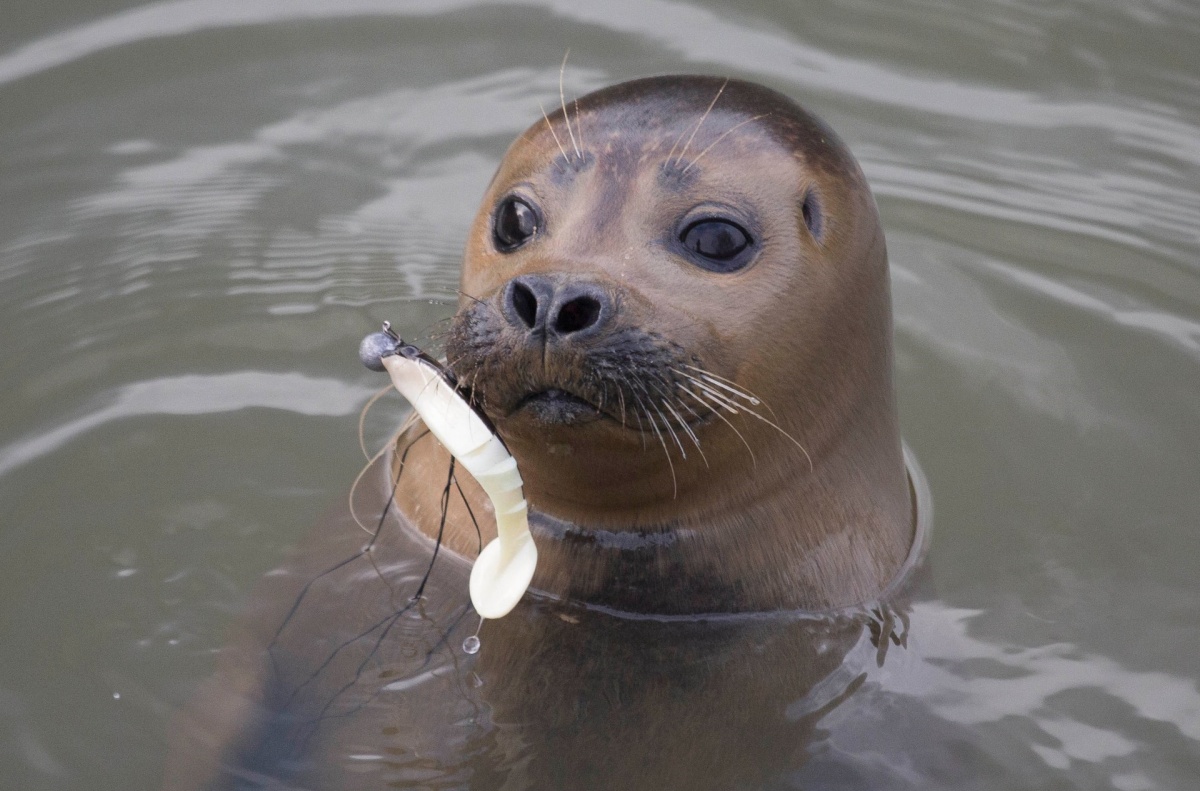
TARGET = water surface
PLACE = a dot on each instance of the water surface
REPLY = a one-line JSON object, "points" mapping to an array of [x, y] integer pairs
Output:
{"points": [[206, 203]]}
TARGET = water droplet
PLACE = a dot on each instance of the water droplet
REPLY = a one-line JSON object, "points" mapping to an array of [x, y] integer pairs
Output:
{"points": [[471, 645]]}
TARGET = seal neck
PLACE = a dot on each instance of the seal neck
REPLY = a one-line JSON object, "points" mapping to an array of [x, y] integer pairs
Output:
{"points": [[834, 537], [649, 574]]}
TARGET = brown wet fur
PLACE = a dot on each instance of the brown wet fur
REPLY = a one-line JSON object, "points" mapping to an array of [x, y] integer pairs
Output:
{"points": [[806, 327], [576, 697]]}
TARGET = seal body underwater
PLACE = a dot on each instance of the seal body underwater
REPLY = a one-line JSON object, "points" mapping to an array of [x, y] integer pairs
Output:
{"points": [[676, 314]]}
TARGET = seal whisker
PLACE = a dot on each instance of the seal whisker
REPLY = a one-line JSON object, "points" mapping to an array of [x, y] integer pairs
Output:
{"points": [[641, 410], [599, 385], [731, 386], [670, 430], [685, 405], [730, 406], [563, 99], [741, 407], [553, 134], [696, 128], [666, 451], [686, 427], [449, 364], [733, 406], [777, 427], [641, 385], [621, 398], [476, 400], [717, 412], [687, 430], [654, 424], [466, 389], [753, 400], [641, 427], [664, 399], [719, 139], [721, 381], [477, 300]]}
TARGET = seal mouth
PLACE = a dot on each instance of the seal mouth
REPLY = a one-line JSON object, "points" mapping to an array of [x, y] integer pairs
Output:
{"points": [[557, 406], [632, 378]]}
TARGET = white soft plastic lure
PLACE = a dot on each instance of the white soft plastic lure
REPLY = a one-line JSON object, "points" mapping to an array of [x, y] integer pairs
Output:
{"points": [[504, 569]]}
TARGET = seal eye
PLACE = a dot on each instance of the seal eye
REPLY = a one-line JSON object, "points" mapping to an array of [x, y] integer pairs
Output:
{"points": [[718, 245], [514, 224]]}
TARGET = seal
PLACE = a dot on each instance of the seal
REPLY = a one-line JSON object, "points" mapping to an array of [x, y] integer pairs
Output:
{"points": [[676, 313], [676, 316]]}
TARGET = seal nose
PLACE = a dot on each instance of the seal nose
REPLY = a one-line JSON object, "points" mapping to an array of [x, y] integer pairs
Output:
{"points": [[537, 305]]}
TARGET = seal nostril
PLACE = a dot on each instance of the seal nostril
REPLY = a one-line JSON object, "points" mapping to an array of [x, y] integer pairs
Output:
{"points": [[524, 304], [577, 314]]}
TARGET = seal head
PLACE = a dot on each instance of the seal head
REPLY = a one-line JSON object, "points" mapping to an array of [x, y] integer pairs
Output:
{"points": [[676, 313]]}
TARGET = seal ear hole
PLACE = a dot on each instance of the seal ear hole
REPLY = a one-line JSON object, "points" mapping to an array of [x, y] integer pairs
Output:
{"points": [[811, 209]]}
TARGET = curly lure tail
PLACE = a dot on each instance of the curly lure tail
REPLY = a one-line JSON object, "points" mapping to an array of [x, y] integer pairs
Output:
{"points": [[505, 567]]}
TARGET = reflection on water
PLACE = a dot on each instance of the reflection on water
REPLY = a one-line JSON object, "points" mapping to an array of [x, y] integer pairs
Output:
{"points": [[196, 395], [207, 203]]}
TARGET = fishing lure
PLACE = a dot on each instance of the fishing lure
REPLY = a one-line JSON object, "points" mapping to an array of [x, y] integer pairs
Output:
{"points": [[504, 568]]}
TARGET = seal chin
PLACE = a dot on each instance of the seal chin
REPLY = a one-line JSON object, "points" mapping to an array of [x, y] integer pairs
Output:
{"points": [[555, 407]]}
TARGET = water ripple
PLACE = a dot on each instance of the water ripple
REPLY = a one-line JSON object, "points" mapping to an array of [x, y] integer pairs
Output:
{"points": [[195, 394], [1024, 680]]}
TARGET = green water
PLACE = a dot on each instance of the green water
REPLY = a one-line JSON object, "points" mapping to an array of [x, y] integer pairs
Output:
{"points": [[204, 204]]}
